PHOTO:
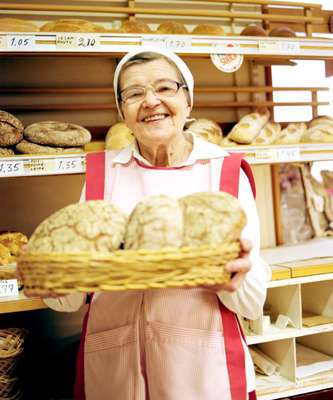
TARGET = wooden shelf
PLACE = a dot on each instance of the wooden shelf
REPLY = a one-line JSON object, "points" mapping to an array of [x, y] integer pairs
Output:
{"points": [[20, 303]]}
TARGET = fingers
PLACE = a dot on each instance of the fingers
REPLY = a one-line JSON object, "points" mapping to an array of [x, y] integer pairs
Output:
{"points": [[246, 246]]}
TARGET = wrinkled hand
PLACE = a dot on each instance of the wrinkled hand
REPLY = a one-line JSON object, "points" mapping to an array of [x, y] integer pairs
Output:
{"points": [[238, 268]]}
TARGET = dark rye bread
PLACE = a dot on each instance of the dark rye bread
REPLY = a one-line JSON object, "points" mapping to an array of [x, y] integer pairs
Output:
{"points": [[11, 129]]}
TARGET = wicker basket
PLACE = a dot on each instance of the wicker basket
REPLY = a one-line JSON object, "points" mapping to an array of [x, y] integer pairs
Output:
{"points": [[57, 274], [9, 389], [11, 346]]}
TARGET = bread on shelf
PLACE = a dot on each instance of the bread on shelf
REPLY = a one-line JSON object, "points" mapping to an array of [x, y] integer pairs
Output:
{"points": [[268, 134], [292, 134], [282, 31], [17, 25], [253, 30], [208, 29], [172, 27], [118, 137], [134, 27], [249, 127], [207, 129], [71, 25], [26, 147], [11, 129]]}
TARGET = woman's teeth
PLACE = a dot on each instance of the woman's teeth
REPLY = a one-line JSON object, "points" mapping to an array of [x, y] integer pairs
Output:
{"points": [[155, 117]]}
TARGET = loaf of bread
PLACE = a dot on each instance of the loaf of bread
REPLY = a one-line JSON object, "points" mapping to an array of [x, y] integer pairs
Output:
{"points": [[282, 31], [268, 134], [11, 129], [134, 27], [211, 219], [321, 133], [324, 119], [4, 152], [208, 29], [207, 130], [95, 225], [26, 147], [17, 25], [248, 128], [56, 133], [156, 222], [14, 241], [253, 30], [118, 137], [71, 25], [292, 134], [172, 27], [5, 256]]}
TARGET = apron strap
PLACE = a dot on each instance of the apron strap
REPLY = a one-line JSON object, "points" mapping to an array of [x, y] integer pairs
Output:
{"points": [[95, 175], [229, 182]]}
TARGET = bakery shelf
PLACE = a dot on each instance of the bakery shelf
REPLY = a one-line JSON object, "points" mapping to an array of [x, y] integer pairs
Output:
{"points": [[34, 165], [94, 43], [20, 303]]}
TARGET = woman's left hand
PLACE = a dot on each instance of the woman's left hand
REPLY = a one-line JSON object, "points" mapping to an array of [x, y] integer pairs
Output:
{"points": [[238, 268]]}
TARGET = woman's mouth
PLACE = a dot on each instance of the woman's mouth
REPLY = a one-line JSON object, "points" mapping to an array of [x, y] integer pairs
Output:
{"points": [[155, 117]]}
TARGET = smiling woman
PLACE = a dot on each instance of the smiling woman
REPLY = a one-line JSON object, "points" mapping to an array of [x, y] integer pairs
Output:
{"points": [[169, 343]]}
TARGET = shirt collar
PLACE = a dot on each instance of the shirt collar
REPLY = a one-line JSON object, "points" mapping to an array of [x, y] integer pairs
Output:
{"points": [[202, 150]]}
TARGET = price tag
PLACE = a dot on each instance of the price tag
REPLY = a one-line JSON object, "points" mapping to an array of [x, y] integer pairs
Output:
{"points": [[65, 41], [68, 165], [3, 42], [83, 41], [265, 155], [8, 287], [288, 154], [269, 46], [289, 47], [87, 42], [20, 42], [11, 168], [38, 166], [178, 42]]}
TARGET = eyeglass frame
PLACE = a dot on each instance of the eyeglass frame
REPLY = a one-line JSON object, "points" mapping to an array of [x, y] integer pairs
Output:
{"points": [[179, 86]]}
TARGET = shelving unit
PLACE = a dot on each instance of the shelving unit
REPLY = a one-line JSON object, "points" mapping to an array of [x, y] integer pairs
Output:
{"points": [[287, 295]]}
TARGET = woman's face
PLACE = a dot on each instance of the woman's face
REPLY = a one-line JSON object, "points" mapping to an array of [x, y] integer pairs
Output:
{"points": [[154, 120]]}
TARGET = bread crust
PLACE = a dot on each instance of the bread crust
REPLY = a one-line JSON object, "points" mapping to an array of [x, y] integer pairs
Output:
{"points": [[26, 147], [11, 129]]}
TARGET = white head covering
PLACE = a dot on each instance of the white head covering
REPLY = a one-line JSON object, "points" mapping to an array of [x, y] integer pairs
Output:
{"points": [[182, 67]]}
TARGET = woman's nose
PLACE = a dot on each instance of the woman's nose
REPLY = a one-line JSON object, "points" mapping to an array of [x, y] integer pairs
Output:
{"points": [[150, 98]]}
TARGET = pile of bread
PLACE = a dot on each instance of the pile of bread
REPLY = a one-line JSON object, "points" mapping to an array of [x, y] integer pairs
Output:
{"points": [[156, 222], [255, 129], [133, 26], [10, 245], [45, 137]]}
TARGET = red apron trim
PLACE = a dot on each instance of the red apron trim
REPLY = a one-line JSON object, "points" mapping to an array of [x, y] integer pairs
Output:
{"points": [[95, 175], [252, 395], [79, 391], [229, 182]]}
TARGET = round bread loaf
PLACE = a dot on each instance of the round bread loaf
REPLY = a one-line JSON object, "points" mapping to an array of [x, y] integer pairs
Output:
{"points": [[17, 25], [253, 30], [156, 222], [118, 137], [55, 133], [292, 133], [208, 29], [11, 129], [26, 147], [211, 219], [172, 27], [268, 134], [134, 27], [6, 152], [95, 225], [323, 119], [207, 130], [282, 31], [71, 25]]}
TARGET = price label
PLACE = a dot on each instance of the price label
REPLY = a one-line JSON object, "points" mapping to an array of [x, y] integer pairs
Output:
{"points": [[70, 41], [68, 165], [265, 155], [178, 42], [269, 46], [153, 41], [8, 287], [38, 166], [20, 42], [288, 154], [11, 168], [3, 42], [289, 46]]}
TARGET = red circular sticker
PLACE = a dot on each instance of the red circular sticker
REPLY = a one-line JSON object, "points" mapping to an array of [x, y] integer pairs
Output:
{"points": [[227, 62]]}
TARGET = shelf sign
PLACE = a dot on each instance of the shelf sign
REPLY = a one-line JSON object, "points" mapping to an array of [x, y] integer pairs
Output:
{"points": [[269, 46], [228, 62], [70, 41], [288, 154], [8, 287], [178, 42], [70, 165], [20, 42], [289, 46], [3, 42], [11, 167], [38, 166], [153, 40]]}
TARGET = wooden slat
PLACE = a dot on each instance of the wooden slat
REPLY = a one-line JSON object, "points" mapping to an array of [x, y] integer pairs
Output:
{"points": [[157, 11]]}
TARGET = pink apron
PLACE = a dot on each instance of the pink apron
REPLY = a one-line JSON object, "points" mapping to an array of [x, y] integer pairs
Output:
{"points": [[122, 345]]}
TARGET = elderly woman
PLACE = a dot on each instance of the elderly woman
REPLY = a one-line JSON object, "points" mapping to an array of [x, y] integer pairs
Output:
{"points": [[168, 344]]}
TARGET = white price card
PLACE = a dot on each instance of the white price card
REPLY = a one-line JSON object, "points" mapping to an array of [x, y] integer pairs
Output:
{"points": [[11, 167], [8, 287], [3, 42], [288, 154], [82, 41], [38, 166], [64, 165], [178, 42], [289, 46], [20, 42], [268, 46]]}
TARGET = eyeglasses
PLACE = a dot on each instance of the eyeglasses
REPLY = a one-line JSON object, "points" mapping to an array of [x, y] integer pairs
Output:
{"points": [[162, 88]]}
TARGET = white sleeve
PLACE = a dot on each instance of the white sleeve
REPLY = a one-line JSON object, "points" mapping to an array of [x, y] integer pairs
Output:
{"points": [[249, 299], [68, 303]]}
